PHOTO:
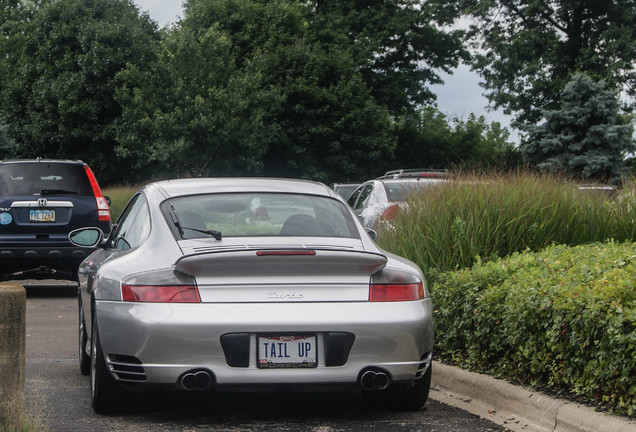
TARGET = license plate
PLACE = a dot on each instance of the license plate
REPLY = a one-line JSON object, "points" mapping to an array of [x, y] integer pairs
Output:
{"points": [[289, 351], [41, 215]]}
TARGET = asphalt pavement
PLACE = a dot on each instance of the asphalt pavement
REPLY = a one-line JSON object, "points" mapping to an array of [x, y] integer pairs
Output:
{"points": [[514, 407]]}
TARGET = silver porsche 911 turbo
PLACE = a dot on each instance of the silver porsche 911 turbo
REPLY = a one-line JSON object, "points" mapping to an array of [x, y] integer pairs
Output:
{"points": [[239, 283]]}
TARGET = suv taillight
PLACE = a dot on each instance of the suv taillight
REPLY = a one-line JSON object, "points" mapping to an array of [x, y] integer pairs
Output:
{"points": [[103, 211], [391, 212]]}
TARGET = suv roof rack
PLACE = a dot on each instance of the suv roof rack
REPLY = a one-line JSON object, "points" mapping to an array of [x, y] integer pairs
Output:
{"points": [[417, 173]]}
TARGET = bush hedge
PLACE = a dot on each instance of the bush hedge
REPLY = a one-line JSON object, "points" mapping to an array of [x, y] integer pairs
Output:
{"points": [[562, 318]]}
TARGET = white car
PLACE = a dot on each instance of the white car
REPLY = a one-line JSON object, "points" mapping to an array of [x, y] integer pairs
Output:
{"points": [[377, 201]]}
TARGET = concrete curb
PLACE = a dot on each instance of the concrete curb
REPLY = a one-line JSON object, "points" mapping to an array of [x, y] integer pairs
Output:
{"points": [[12, 354], [516, 407]]}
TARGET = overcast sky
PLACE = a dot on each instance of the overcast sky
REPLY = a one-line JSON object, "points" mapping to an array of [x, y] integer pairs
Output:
{"points": [[458, 97]]}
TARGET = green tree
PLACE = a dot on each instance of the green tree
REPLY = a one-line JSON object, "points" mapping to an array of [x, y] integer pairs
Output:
{"points": [[320, 120], [7, 146], [398, 46], [528, 49], [190, 112], [59, 61], [431, 140], [585, 136]]}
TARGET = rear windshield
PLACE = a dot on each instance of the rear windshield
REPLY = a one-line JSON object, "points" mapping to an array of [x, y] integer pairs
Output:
{"points": [[401, 191], [262, 214], [42, 178]]}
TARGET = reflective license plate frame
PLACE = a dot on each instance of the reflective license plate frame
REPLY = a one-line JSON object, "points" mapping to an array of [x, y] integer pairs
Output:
{"points": [[42, 216], [287, 351]]}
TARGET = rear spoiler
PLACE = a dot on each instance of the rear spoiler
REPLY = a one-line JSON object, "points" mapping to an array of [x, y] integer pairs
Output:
{"points": [[281, 262]]}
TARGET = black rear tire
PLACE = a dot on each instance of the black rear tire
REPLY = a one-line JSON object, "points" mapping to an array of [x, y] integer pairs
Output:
{"points": [[84, 359], [107, 397], [402, 396]]}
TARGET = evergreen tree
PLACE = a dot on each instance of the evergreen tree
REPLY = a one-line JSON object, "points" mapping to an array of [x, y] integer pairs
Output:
{"points": [[527, 50], [585, 137]]}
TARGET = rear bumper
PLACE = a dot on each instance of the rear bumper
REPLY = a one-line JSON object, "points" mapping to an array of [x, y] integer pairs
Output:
{"points": [[41, 262], [160, 343]]}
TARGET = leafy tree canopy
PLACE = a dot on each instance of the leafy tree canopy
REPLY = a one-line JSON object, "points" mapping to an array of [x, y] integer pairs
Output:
{"points": [[431, 140], [399, 46], [306, 89], [7, 146], [320, 120], [59, 61], [585, 136], [190, 112], [528, 49]]}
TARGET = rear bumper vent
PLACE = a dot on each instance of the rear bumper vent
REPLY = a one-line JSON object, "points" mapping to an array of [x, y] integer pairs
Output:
{"points": [[126, 368], [424, 365]]}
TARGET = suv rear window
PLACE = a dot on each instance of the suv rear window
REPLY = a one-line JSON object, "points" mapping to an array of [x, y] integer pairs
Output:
{"points": [[18, 179], [402, 190]]}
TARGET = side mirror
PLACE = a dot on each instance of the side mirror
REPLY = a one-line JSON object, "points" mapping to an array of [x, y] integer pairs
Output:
{"points": [[372, 233], [108, 200], [86, 237]]}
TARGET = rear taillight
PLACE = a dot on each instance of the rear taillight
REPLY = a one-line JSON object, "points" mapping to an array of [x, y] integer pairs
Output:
{"points": [[103, 211], [391, 212], [160, 286], [161, 294], [396, 285], [396, 292]]}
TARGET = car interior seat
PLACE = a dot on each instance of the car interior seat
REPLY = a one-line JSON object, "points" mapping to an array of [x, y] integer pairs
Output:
{"points": [[300, 225]]}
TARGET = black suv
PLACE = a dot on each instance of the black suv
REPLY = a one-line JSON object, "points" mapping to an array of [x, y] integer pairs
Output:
{"points": [[41, 201]]}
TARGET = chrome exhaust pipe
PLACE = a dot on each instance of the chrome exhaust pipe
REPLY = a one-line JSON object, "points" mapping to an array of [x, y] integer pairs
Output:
{"points": [[381, 381], [189, 381], [374, 380], [366, 381], [199, 380], [204, 380]]}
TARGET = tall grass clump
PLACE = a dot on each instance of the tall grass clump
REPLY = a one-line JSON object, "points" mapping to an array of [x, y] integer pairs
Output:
{"points": [[450, 225], [119, 197], [33, 420]]}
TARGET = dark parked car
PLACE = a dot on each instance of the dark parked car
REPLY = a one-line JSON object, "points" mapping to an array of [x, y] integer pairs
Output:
{"points": [[345, 189], [41, 201]]}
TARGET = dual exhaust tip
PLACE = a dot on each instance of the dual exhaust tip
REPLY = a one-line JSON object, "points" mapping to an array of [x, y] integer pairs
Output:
{"points": [[370, 379], [196, 380]]}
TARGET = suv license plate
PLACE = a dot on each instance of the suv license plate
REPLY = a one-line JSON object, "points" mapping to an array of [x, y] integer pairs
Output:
{"points": [[41, 215], [288, 351]]}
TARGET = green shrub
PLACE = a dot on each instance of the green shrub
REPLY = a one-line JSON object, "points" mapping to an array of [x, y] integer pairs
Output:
{"points": [[564, 318]]}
